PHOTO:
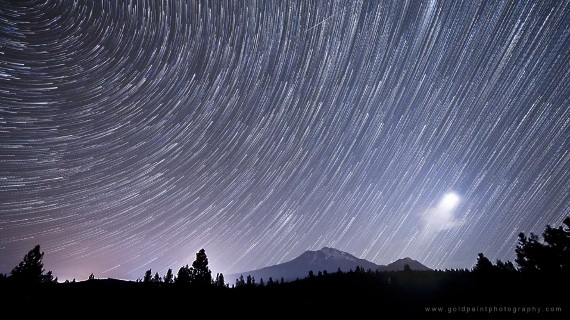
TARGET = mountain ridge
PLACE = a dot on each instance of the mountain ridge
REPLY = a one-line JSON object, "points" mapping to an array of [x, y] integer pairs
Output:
{"points": [[326, 259]]}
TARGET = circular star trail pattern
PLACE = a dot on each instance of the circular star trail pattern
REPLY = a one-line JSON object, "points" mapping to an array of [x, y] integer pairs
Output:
{"points": [[134, 133]]}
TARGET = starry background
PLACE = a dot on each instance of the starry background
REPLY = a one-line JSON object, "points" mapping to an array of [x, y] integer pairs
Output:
{"points": [[134, 133]]}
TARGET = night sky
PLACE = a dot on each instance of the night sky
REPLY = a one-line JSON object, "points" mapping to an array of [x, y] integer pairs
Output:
{"points": [[134, 133]]}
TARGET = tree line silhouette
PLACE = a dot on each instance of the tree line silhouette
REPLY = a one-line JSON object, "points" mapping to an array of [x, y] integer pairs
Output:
{"points": [[542, 266]]}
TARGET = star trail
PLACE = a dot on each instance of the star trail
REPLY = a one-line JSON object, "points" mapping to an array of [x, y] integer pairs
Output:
{"points": [[134, 133]]}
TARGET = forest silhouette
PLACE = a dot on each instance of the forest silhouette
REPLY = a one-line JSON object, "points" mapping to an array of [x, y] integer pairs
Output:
{"points": [[537, 287]]}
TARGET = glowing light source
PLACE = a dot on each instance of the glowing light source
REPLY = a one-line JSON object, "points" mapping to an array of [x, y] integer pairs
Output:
{"points": [[449, 201]]}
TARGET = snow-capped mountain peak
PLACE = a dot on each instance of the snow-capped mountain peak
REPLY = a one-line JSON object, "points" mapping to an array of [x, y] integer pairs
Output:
{"points": [[334, 254]]}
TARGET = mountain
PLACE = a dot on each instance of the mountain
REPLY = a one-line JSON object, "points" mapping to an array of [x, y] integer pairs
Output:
{"points": [[399, 264], [328, 259]]}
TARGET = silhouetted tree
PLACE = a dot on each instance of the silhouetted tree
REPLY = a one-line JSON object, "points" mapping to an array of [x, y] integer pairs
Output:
{"points": [[240, 282], [147, 276], [91, 277], [551, 255], [168, 277], [201, 274], [250, 280], [156, 278], [483, 264], [184, 276], [220, 283], [31, 268], [558, 244], [505, 266], [48, 278], [529, 251]]}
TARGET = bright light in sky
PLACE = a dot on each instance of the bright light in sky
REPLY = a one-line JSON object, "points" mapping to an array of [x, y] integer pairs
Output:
{"points": [[442, 217], [449, 201]]}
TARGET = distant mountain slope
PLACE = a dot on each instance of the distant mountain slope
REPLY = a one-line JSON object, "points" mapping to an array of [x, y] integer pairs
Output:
{"points": [[399, 264], [328, 259]]}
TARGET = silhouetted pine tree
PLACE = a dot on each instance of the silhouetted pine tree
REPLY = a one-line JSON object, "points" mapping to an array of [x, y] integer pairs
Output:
{"points": [[529, 252], [184, 276], [201, 274], [168, 277], [552, 255], [558, 244], [31, 268], [220, 282], [505, 266], [240, 282], [483, 264], [147, 276]]}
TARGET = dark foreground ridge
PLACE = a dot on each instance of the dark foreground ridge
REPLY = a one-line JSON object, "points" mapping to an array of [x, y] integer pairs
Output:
{"points": [[446, 294]]}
